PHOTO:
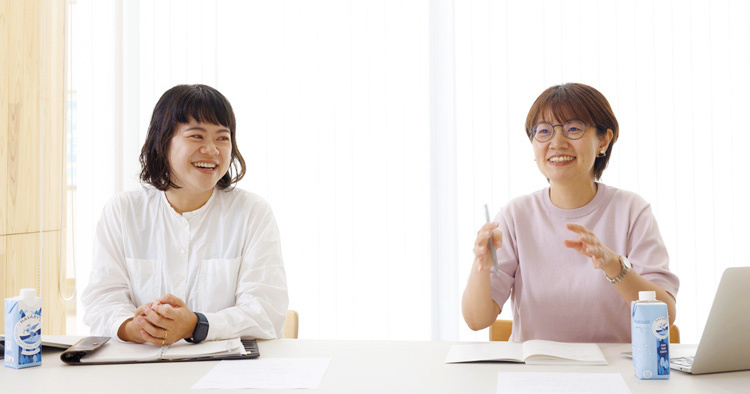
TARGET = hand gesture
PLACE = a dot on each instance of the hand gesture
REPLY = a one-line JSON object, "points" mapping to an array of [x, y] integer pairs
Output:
{"points": [[481, 246], [588, 244]]}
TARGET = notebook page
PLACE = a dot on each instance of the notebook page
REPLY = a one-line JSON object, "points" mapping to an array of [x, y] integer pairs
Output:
{"points": [[114, 351], [183, 349]]}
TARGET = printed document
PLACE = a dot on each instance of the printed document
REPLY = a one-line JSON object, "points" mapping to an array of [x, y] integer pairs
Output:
{"points": [[266, 373], [556, 382]]}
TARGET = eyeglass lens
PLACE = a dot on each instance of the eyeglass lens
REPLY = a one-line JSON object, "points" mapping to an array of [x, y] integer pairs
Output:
{"points": [[572, 129]]}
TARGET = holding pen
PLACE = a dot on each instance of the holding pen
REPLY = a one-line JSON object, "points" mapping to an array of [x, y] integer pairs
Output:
{"points": [[492, 244], [477, 305]]}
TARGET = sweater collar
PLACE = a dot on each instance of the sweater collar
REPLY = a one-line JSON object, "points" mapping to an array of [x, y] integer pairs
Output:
{"points": [[591, 206]]}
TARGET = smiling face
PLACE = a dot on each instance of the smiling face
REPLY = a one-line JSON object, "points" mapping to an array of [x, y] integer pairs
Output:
{"points": [[199, 155], [573, 101], [564, 161]]}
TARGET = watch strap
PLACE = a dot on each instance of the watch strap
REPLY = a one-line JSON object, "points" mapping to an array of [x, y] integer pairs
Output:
{"points": [[624, 269], [201, 329]]}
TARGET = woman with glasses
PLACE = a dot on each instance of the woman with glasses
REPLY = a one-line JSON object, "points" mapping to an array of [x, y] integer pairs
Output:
{"points": [[573, 255]]}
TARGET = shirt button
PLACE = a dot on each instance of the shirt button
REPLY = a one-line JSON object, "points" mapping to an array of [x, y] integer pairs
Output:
{"points": [[182, 251], [181, 278]]}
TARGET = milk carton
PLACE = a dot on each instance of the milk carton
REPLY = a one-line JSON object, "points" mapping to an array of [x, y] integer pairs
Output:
{"points": [[23, 330], [649, 326]]}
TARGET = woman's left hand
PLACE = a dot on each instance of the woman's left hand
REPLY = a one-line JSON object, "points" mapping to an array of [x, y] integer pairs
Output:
{"points": [[588, 244], [170, 320]]}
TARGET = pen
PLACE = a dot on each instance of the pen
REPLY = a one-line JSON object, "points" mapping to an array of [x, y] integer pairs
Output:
{"points": [[492, 245]]}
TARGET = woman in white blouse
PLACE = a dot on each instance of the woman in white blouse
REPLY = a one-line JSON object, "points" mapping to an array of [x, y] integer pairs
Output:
{"points": [[188, 255]]}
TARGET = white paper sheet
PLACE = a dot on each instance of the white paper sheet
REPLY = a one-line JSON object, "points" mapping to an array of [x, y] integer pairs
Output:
{"points": [[266, 373], [559, 382]]}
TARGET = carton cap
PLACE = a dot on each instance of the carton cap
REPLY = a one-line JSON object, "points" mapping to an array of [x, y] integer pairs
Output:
{"points": [[28, 293], [647, 296]]}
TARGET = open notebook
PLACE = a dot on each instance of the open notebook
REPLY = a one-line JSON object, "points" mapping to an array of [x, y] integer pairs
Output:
{"points": [[100, 350], [530, 352]]}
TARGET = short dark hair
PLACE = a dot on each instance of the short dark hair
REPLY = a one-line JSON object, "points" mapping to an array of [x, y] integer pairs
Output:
{"points": [[580, 102], [178, 105]]}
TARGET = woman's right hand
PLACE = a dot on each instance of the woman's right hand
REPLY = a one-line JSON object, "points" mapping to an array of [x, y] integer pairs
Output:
{"points": [[478, 307], [130, 330], [482, 256]]}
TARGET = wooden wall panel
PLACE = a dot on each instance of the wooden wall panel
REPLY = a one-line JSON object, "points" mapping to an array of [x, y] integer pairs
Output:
{"points": [[53, 96], [53, 189], [22, 252], [4, 36], [4, 273], [30, 93], [22, 268], [23, 131], [54, 306], [22, 262]]}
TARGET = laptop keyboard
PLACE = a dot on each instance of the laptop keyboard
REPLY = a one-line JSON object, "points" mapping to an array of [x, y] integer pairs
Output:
{"points": [[686, 362]]}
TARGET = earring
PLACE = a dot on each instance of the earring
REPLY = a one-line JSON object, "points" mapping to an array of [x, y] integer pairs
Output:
{"points": [[601, 154]]}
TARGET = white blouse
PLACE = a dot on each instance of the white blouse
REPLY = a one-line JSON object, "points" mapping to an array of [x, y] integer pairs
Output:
{"points": [[223, 260]]}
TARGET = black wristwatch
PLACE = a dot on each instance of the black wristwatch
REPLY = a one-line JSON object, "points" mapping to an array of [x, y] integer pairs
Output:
{"points": [[201, 329]]}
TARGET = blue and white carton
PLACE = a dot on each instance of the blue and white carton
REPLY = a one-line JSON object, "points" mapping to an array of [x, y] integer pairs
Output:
{"points": [[23, 330], [649, 326]]}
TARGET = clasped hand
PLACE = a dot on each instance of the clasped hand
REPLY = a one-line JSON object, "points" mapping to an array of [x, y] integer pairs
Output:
{"points": [[161, 322]]}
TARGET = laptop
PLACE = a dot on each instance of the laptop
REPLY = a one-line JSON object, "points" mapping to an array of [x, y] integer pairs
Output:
{"points": [[725, 343]]}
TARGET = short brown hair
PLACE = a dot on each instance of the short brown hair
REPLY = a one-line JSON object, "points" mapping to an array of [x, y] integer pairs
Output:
{"points": [[580, 102], [178, 105]]}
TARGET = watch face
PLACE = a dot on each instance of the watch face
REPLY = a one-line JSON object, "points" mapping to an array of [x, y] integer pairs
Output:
{"points": [[201, 329], [625, 262]]}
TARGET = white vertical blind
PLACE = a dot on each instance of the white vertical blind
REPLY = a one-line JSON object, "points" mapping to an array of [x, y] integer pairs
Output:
{"points": [[340, 108], [676, 76], [333, 105], [92, 122], [443, 176]]}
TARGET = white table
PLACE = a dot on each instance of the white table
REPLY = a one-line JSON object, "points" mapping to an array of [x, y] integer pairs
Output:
{"points": [[356, 367]]}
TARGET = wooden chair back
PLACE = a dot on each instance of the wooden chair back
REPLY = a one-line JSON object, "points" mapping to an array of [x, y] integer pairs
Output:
{"points": [[291, 324], [500, 331]]}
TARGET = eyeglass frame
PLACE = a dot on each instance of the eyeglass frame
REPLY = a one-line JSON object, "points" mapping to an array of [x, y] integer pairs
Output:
{"points": [[555, 126]]}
